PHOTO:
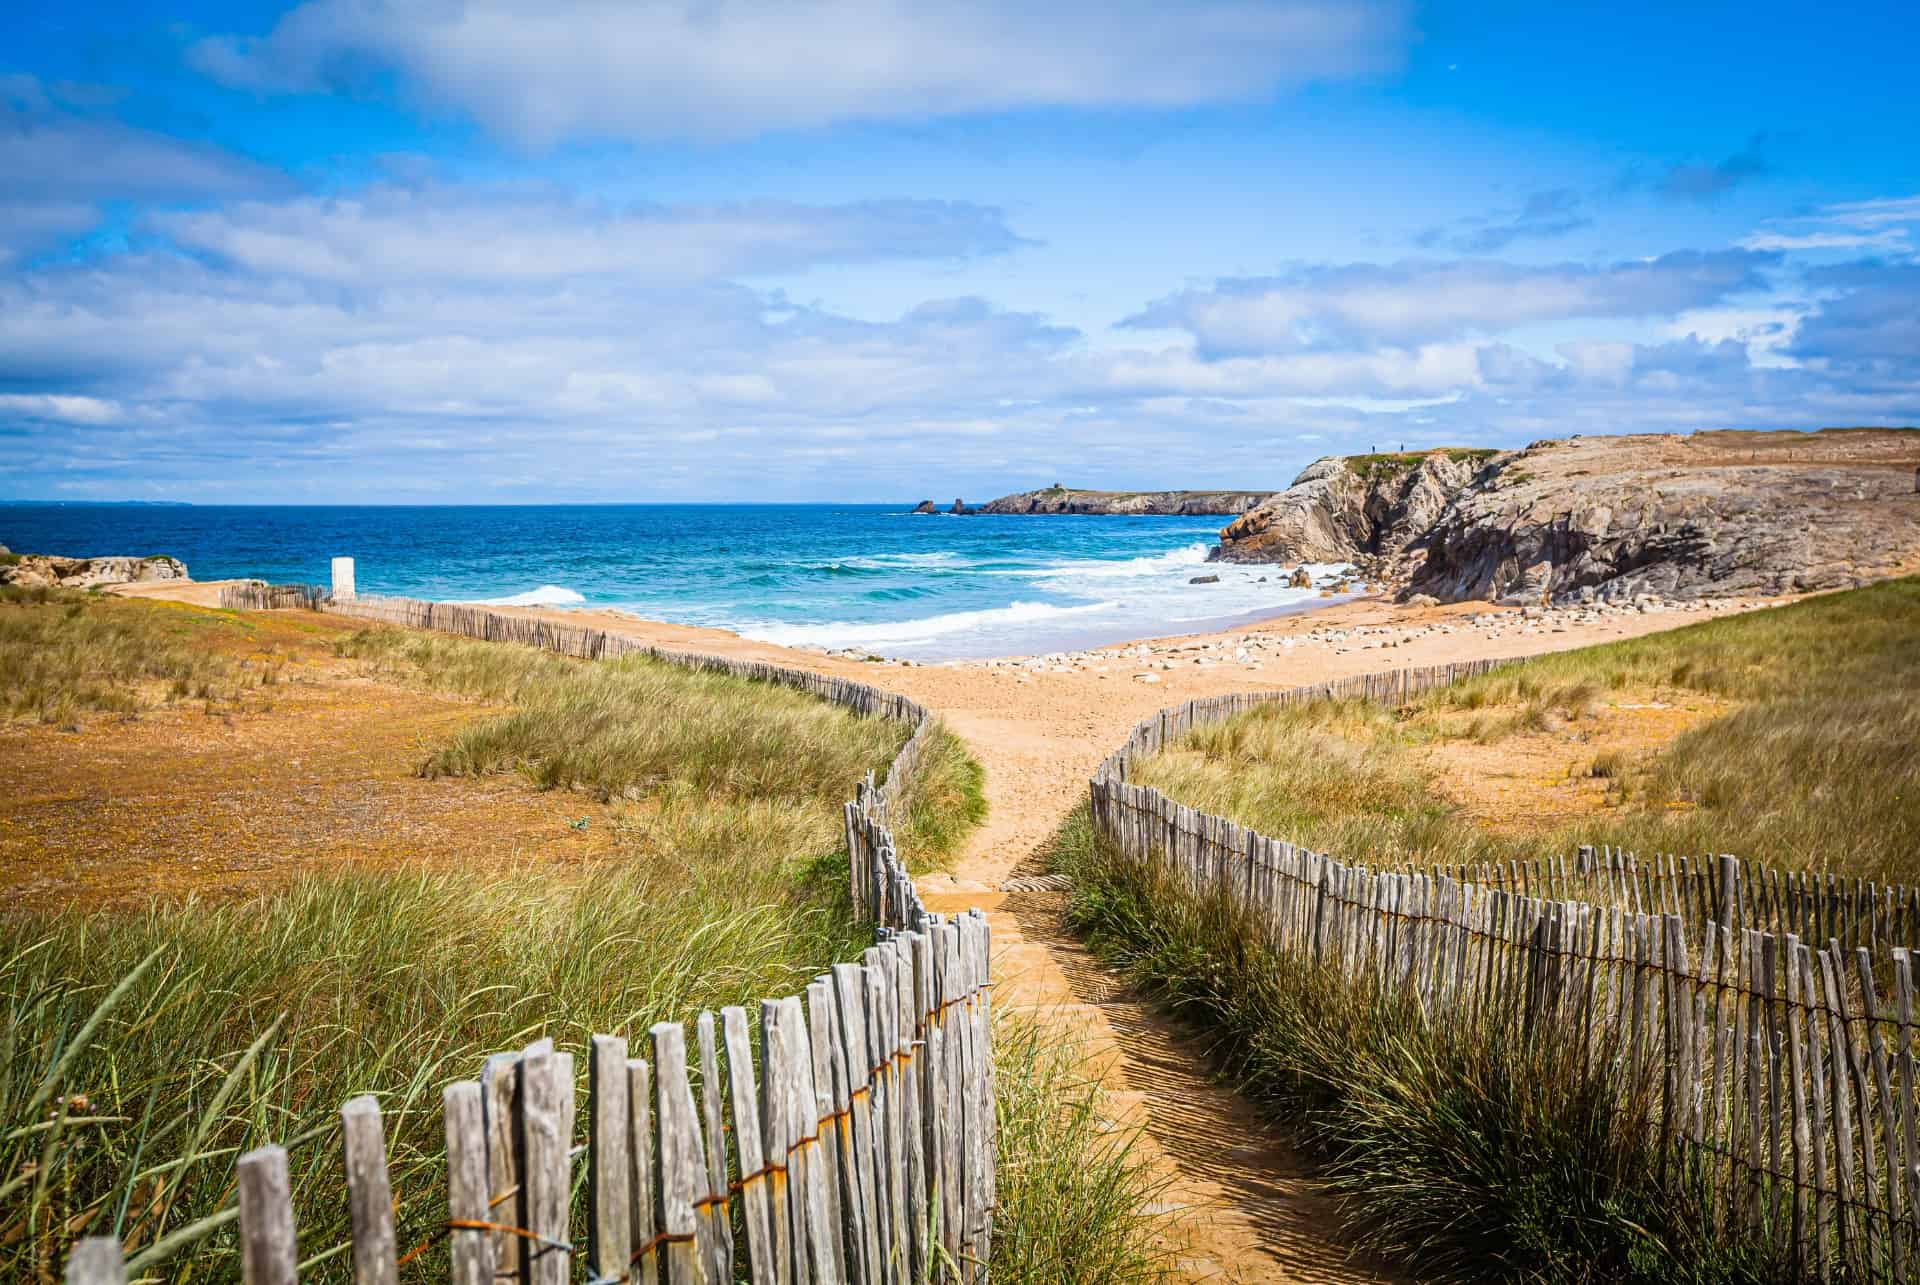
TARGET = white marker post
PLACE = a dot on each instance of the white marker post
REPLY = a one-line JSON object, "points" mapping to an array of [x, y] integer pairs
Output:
{"points": [[343, 578]]}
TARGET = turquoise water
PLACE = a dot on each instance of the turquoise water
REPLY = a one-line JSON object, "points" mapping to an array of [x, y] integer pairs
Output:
{"points": [[868, 576]]}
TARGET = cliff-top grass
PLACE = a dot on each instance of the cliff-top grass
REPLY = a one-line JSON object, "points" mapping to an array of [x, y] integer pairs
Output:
{"points": [[1785, 736], [1382, 463], [664, 841]]}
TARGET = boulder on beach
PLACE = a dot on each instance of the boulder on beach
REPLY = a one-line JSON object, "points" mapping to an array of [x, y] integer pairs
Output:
{"points": [[1203, 580], [1300, 579]]}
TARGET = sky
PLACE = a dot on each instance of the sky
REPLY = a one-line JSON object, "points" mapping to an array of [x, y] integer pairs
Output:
{"points": [[507, 251]]}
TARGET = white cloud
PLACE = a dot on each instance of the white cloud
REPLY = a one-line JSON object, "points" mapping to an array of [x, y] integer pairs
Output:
{"points": [[1885, 224], [59, 407], [543, 70], [392, 234], [1357, 304]]}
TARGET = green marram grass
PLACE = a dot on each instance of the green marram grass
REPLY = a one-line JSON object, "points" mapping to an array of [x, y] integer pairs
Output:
{"points": [[1814, 766], [1454, 1147], [144, 1050]]}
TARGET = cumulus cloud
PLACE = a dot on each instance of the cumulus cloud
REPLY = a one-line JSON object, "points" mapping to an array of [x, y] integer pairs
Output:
{"points": [[543, 70], [55, 147], [1868, 329], [1883, 225], [1543, 216], [1699, 181], [1358, 304], [480, 234], [58, 408], [62, 156]]}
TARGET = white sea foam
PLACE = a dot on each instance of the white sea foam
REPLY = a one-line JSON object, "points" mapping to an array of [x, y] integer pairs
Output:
{"points": [[900, 636], [547, 595], [1105, 602]]}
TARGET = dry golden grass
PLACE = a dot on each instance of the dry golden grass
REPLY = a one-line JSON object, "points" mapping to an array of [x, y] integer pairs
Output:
{"points": [[717, 877], [1789, 733]]}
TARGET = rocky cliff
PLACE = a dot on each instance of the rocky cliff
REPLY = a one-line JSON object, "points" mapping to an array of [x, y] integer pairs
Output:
{"points": [[30, 570], [1066, 499], [1609, 517]]}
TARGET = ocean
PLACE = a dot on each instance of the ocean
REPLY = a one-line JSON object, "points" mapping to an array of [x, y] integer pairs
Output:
{"points": [[830, 575]]}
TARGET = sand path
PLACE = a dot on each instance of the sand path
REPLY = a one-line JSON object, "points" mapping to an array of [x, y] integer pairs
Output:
{"points": [[1245, 1206]]}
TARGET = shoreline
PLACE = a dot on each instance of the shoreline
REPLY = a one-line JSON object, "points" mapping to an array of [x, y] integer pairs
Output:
{"points": [[1348, 623]]}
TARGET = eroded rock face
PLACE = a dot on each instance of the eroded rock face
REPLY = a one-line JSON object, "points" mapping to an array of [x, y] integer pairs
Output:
{"points": [[1344, 510], [83, 573], [1711, 514], [1063, 499]]}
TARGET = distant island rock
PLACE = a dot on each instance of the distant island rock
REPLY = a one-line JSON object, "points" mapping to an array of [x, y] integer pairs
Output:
{"points": [[1072, 500], [925, 506], [36, 570], [1702, 515]]}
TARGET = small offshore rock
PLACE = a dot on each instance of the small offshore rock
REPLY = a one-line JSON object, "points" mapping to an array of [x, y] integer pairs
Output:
{"points": [[1203, 580]]}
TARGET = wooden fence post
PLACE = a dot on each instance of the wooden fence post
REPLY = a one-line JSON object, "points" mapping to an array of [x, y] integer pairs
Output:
{"points": [[96, 1261], [609, 1167], [268, 1247], [369, 1197], [469, 1250]]}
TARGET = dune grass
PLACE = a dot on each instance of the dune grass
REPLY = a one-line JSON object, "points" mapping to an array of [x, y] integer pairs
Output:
{"points": [[1456, 1147], [1074, 1196], [65, 654], [637, 728], [143, 1051], [1812, 767]]}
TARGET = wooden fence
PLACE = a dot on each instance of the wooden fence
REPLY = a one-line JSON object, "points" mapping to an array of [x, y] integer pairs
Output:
{"points": [[860, 1149], [1759, 1029]]}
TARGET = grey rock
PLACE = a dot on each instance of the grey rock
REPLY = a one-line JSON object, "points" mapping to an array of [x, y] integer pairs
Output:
{"points": [[1603, 519], [38, 569], [1203, 580]]}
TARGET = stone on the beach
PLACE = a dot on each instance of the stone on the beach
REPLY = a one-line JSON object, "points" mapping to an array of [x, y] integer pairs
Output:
{"points": [[1423, 600], [1300, 579], [1203, 580], [1148, 678]]}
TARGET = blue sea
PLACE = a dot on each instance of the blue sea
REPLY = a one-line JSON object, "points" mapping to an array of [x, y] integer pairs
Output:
{"points": [[867, 576]]}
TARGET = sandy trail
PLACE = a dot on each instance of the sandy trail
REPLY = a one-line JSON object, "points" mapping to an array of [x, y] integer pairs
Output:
{"points": [[1246, 1207]]}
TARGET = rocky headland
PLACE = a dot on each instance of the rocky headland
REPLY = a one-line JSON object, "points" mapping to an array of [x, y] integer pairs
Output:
{"points": [[1073, 500], [35, 570], [1605, 518]]}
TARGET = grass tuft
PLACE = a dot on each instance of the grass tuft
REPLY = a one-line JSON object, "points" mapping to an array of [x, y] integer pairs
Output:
{"points": [[1074, 1196]]}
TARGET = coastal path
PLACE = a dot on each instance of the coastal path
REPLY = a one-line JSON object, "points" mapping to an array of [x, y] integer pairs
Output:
{"points": [[1245, 1206]]}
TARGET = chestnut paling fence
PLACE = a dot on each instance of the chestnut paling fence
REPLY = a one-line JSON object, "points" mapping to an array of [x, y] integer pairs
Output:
{"points": [[1761, 1022], [855, 1144]]}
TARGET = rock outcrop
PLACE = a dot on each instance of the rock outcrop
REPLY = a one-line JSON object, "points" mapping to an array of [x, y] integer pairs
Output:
{"points": [[1344, 509], [1066, 499], [1711, 514], [38, 569], [925, 506]]}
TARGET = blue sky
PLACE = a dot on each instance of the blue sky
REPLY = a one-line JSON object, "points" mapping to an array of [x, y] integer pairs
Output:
{"points": [[535, 250]]}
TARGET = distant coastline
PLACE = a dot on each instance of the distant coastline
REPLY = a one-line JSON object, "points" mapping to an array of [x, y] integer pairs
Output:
{"points": [[1058, 500]]}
